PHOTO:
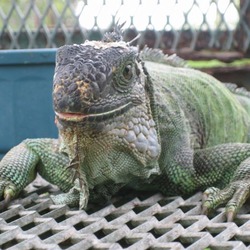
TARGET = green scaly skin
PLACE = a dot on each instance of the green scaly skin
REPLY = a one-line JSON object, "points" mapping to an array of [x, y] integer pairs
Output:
{"points": [[182, 130]]}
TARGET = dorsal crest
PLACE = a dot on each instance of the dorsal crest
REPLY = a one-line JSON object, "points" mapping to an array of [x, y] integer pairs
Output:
{"points": [[156, 55]]}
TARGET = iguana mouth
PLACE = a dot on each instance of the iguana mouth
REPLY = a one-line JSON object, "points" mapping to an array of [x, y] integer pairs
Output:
{"points": [[79, 117]]}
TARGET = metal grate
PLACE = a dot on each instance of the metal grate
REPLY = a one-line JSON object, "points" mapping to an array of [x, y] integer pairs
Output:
{"points": [[172, 24], [131, 221]]}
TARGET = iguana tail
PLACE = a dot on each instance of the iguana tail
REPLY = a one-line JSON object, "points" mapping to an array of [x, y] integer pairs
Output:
{"points": [[242, 94]]}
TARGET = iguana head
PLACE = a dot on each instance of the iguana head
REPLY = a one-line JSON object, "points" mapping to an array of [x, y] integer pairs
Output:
{"points": [[103, 106], [97, 80]]}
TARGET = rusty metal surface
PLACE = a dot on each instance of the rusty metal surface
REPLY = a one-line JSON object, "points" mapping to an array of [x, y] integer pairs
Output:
{"points": [[131, 221]]}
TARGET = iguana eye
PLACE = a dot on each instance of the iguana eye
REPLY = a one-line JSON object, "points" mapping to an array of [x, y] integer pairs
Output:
{"points": [[128, 72], [122, 77]]}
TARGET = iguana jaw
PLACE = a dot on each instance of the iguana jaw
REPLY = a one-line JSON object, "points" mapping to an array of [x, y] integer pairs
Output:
{"points": [[79, 117]]}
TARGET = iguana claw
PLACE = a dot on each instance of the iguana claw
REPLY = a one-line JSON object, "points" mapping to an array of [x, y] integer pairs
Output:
{"points": [[234, 195], [230, 216], [6, 201], [204, 210], [8, 191]]}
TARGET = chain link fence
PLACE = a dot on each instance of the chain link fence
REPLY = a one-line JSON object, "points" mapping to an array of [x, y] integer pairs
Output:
{"points": [[188, 25]]}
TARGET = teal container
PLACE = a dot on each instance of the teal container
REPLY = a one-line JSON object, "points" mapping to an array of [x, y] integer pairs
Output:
{"points": [[26, 110]]}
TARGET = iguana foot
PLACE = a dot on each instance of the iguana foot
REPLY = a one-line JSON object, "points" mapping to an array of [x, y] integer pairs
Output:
{"points": [[70, 199], [235, 195], [73, 198], [8, 191]]}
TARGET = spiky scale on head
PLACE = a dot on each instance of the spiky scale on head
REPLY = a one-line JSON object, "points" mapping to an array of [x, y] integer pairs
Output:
{"points": [[115, 35]]}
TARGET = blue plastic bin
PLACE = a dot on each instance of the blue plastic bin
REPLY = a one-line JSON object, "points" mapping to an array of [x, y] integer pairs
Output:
{"points": [[26, 78]]}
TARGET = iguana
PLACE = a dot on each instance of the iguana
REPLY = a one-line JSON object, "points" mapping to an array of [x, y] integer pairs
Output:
{"points": [[137, 119]]}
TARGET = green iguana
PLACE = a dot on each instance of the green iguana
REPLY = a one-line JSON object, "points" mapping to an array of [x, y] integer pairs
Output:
{"points": [[127, 118]]}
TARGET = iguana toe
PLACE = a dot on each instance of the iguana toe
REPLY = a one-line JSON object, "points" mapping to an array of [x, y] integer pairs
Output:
{"points": [[208, 202], [210, 191], [74, 198]]}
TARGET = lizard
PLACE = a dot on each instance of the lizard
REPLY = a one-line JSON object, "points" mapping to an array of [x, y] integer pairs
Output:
{"points": [[138, 119]]}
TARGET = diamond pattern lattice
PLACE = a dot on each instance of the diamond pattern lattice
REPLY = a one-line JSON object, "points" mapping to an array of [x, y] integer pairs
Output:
{"points": [[172, 24], [131, 221]]}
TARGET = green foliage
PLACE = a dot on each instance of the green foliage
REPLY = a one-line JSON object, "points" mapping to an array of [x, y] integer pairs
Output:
{"points": [[217, 63]]}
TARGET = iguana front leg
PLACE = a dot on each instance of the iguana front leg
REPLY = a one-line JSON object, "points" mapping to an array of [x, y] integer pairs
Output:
{"points": [[17, 170], [225, 166], [21, 164]]}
